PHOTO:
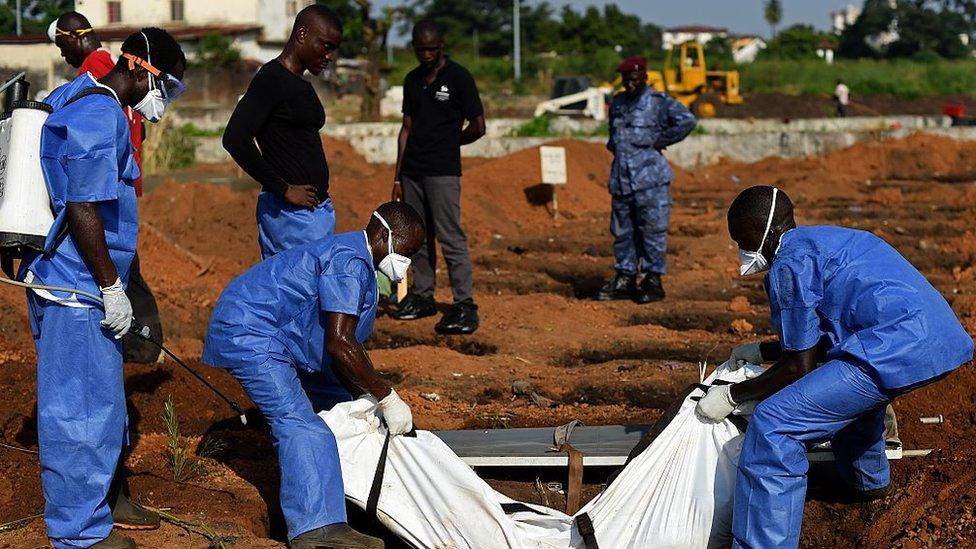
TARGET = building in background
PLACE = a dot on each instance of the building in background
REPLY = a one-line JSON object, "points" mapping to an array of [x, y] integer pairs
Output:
{"points": [[702, 34], [843, 18], [258, 28]]}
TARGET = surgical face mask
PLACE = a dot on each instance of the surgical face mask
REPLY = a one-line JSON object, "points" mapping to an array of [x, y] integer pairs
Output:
{"points": [[394, 265], [153, 105], [755, 262]]}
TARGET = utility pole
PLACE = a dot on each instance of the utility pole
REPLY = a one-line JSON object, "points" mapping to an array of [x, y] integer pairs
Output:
{"points": [[19, 28], [517, 40]]}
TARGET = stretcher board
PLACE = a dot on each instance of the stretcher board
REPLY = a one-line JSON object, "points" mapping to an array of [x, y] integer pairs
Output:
{"points": [[602, 446]]}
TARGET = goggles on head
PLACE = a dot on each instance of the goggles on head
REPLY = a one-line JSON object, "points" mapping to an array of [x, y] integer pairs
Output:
{"points": [[170, 86], [77, 33]]}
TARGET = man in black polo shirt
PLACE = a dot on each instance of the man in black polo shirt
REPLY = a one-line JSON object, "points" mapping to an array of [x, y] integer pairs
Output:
{"points": [[438, 97], [282, 114]]}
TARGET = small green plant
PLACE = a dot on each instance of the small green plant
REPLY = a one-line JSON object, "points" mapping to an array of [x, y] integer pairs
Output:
{"points": [[537, 127], [186, 464]]}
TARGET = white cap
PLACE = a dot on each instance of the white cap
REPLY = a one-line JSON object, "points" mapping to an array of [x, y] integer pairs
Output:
{"points": [[50, 30]]}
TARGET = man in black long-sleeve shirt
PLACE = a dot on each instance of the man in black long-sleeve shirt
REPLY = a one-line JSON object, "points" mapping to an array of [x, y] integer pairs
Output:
{"points": [[273, 135]]}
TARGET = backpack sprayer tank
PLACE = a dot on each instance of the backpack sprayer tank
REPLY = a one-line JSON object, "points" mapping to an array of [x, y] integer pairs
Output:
{"points": [[25, 206]]}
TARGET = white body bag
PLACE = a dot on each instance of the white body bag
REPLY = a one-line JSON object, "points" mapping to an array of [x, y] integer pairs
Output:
{"points": [[677, 493]]}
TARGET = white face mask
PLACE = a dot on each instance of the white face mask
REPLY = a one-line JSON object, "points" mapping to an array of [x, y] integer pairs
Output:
{"points": [[394, 265], [755, 262], [153, 105]]}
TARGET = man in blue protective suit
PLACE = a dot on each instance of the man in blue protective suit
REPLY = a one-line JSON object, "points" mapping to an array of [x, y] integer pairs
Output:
{"points": [[643, 122], [87, 160], [309, 310], [847, 300]]}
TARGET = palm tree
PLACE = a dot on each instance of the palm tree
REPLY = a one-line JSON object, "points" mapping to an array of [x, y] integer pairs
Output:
{"points": [[773, 13]]}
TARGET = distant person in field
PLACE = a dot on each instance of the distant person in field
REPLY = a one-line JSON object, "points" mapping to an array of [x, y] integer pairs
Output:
{"points": [[273, 135], [858, 326], [643, 122], [441, 112], [842, 98], [81, 48]]}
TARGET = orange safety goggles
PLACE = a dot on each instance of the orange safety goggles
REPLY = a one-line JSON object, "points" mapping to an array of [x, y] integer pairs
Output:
{"points": [[171, 86]]}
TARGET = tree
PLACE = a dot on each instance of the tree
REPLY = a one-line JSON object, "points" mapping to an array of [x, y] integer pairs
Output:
{"points": [[375, 33], [797, 42], [217, 50], [36, 15], [773, 12], [910, 28]]}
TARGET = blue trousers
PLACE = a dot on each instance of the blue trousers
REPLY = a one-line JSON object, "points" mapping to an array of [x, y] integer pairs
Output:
{"points": [[839, 402], [639, 224], [81, 419], [312, 492], [282, 226]]}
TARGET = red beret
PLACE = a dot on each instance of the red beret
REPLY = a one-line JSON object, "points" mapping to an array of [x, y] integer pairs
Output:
{"points": [[635, 63]]}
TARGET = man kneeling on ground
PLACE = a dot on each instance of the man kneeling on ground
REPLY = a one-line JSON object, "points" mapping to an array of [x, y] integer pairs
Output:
{"points": [[308, 310], [848, 300]]}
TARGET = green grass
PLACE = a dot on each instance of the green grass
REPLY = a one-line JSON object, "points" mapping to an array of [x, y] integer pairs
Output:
{"points": [[908, 78], [903, 77]]}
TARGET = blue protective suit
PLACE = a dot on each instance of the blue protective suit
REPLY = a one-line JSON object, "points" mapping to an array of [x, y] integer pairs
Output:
{"points": [[282, 226], [640, 177], [86, 156], [889, 331], [267, 329], [85, 159]]}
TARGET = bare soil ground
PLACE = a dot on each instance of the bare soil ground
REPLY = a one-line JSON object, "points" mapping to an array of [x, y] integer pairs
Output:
{"points": [[601, 363]]}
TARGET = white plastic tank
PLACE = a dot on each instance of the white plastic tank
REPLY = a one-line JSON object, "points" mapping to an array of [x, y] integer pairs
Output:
{"points": [[25, 206]]}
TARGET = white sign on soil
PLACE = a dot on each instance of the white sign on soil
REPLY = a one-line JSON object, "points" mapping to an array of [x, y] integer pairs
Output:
{"points": [[553, 165]]}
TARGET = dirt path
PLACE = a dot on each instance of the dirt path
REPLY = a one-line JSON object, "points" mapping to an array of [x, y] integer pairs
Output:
{"points": [[601, 363]]}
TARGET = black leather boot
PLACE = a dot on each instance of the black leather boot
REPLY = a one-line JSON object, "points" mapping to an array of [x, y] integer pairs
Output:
{"points": [[621, 286], [650, 289]]}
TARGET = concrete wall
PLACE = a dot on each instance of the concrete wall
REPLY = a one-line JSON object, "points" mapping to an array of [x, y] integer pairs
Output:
{"points": [[743, 141]]}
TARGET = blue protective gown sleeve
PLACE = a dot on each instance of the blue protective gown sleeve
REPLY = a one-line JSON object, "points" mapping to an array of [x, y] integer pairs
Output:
{"points": [[343, 287], [90, 158], [795, 288]]}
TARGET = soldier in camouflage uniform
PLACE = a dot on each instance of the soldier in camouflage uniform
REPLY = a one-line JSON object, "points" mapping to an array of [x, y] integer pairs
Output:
{"points": [[643, 122]]}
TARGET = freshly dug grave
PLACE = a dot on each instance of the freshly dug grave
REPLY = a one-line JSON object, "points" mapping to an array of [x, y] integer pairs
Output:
{"points": [[598, 362]]}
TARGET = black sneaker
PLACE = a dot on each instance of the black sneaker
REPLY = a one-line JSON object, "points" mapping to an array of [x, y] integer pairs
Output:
{"points": [[415, 306], [461, 318], [621, 286], [650, 289]]}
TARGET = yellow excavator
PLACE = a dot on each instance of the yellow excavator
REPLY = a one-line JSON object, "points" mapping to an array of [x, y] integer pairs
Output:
{"points": [[687, 78]]}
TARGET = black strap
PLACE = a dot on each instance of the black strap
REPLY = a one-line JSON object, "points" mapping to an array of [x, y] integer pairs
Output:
{"points": [[373, 500], [585, 527], [94, 90], [519, 507], [374, 491]]}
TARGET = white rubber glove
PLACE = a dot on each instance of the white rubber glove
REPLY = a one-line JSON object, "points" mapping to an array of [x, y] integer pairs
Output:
{"points": [[118, 310], [397, 414], [716, 405], [745, 354]]}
